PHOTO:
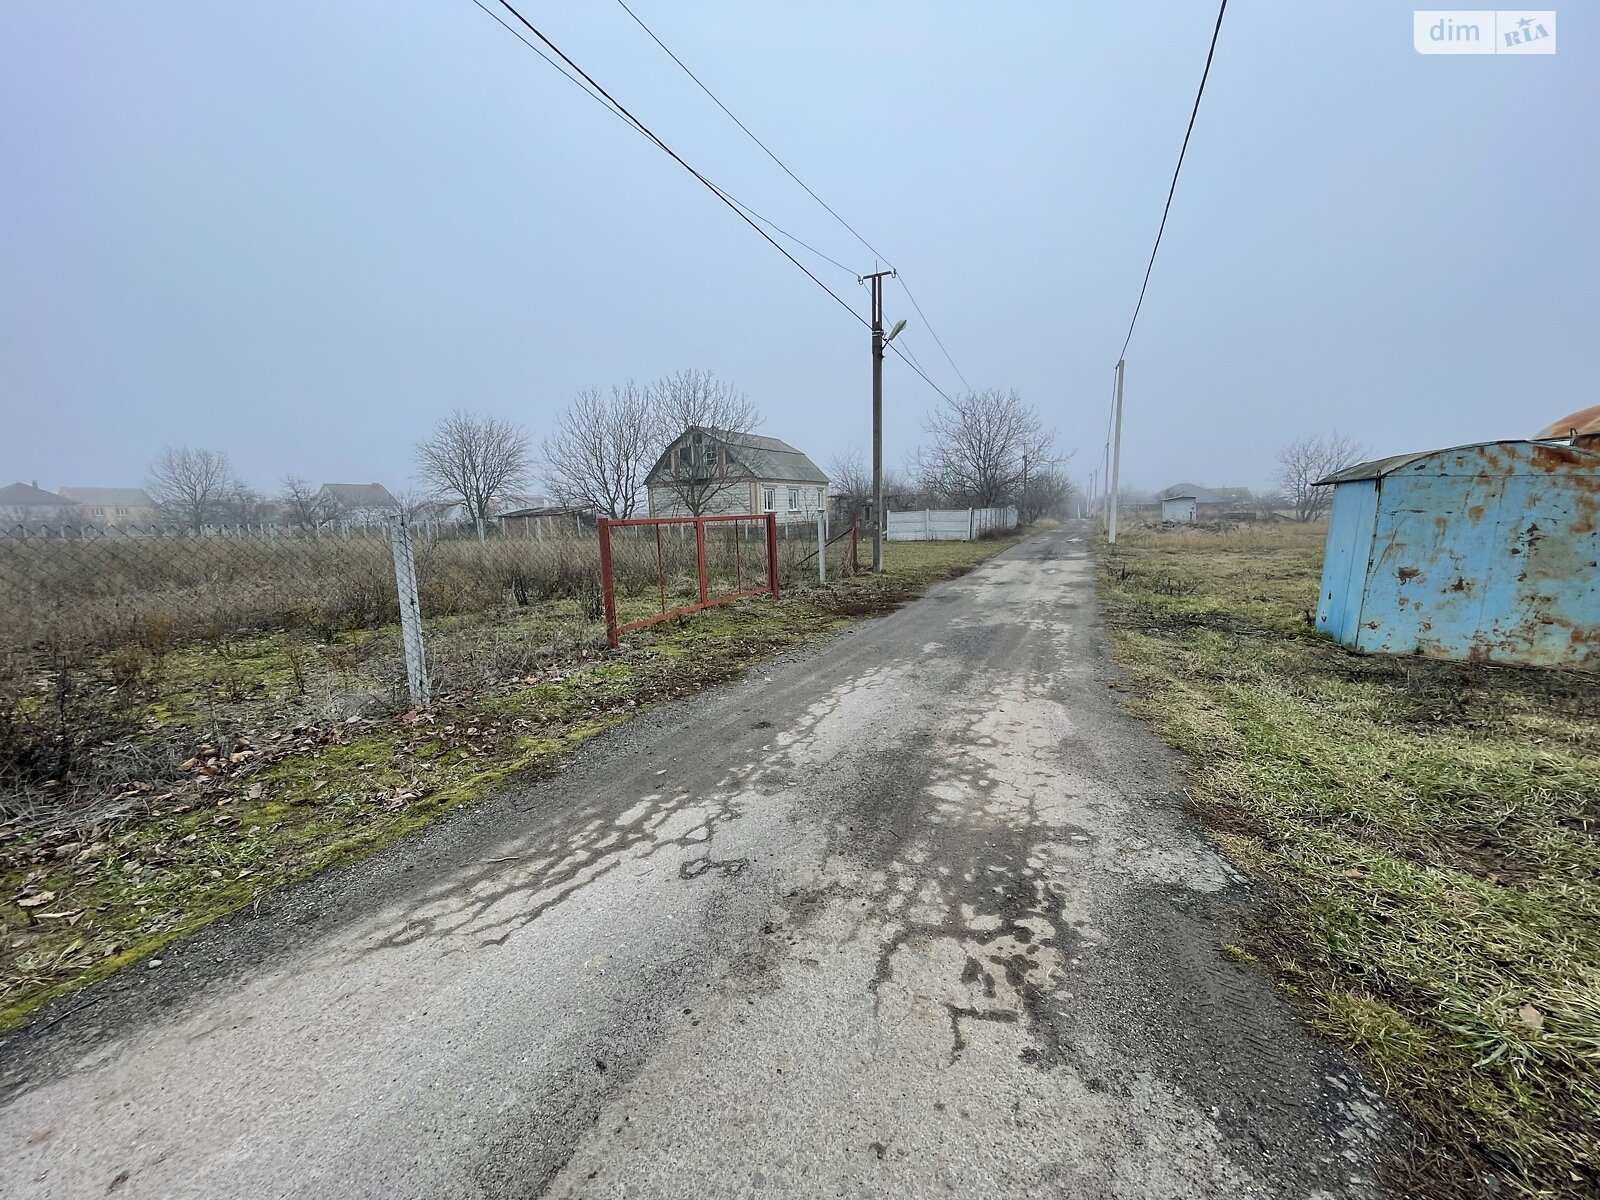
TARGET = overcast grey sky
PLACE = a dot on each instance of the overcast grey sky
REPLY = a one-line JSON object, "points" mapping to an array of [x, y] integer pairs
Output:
{"points": [[300, 232]]}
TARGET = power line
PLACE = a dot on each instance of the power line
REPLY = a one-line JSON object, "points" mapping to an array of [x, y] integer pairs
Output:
{"points": [[921, 372], [578, 83], [668, 150], [937, 339], [750, 135], [805, 186], [611, 103], [1194, 112]]}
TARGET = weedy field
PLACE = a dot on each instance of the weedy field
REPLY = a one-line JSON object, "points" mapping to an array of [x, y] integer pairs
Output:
{"points": [[1429, 833], [250, 761]]}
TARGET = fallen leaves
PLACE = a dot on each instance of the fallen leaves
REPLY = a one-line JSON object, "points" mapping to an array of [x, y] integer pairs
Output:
{"points": [[1531, 1017], [36, 900]]}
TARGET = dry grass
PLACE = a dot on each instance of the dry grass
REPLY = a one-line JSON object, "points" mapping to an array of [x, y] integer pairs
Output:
{"points": [[99, 636], [243, 774], [1431, 832]]}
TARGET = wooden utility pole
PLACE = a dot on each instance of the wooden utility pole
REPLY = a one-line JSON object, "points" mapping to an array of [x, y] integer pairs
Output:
{"points": [[878, 516]]}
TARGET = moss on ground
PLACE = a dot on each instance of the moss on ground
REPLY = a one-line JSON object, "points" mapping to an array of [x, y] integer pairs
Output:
{"points": [[1431, 833], [266, 794]]}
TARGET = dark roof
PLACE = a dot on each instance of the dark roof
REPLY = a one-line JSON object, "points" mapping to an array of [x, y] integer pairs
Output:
{"points": [[37, 497], [764, 457], [360, 495], [127, 497], [547, 510], [1206, 495], [1377, 468]]}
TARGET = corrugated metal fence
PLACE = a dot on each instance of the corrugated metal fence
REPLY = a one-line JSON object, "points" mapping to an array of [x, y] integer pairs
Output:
{"points": [[949, 524]]}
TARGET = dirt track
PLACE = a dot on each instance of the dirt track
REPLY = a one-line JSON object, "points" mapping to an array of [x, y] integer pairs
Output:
{"points": [[916, 912]]}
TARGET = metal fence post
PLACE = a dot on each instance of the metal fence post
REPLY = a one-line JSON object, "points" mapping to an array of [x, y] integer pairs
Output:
{"points": [[700, 558], [772, 552], [405, 582], [822, 547], [607, 583]]}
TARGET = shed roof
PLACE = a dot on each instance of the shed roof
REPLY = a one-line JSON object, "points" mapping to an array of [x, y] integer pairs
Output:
{"points": [[128, 497], [32, 495], [1584, 422], [1379, 467]]}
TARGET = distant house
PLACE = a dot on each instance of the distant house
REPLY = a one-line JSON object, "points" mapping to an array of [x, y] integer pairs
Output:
{"points": [[517, 501], [112, 505], [1195, 502], [712, 471], [546, 520], [359, 503], [30, 504], [439, 510]]}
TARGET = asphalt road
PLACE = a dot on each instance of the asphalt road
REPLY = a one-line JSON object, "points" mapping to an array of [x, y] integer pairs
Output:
{"points": [[914, 913]]}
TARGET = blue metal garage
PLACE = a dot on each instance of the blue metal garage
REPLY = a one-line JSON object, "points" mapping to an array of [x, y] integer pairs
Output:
{"points": [[1482, 553]]}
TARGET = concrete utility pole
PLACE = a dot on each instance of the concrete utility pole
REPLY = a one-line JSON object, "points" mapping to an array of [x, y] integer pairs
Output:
{"points": [[1116, 457], [878, 343]]}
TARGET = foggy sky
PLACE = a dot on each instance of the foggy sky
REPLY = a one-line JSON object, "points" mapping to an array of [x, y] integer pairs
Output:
{"points": [[301, 232]]}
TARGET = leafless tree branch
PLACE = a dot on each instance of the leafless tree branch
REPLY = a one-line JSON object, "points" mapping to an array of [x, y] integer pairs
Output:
{"points": [[1302, 463], [601, 450], [193, 487], [697, 399], [476, 458], [982, 445]]}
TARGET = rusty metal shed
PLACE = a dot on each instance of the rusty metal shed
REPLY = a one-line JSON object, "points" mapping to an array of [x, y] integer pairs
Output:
{"points": [[1484, 553]]}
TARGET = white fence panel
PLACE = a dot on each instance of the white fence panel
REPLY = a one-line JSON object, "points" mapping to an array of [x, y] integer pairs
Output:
{"points": [[948, 524]]}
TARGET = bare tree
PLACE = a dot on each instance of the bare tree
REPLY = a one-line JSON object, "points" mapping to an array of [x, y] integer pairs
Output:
{"points": [[983, 444], [476, 458], [697, 417], [304, 505], [1302, 463], [850, 480], [601, 450], [243, 505], [193, 487], [1047, 492]]}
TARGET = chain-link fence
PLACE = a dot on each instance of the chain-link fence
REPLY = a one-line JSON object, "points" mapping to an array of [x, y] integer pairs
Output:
{"points": [[121, 648]]}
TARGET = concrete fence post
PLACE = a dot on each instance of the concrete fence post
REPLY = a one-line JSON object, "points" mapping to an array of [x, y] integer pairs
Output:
{"points": [[405, 582], [822, 546]]}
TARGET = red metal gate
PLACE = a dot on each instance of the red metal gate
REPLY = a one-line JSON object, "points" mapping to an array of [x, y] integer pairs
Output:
{"points": [[615, 629]]}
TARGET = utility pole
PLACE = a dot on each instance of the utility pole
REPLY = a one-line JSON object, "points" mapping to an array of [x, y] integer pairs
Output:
{"points": [[878, 342], [1023, 503], [1116, 457]]}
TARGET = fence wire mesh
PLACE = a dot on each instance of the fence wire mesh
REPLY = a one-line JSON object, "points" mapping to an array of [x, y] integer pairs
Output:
{"points": [[123, 650]]}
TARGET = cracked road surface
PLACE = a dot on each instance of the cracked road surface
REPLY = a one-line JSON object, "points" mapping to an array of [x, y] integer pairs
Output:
{"points": [[914, 913]]}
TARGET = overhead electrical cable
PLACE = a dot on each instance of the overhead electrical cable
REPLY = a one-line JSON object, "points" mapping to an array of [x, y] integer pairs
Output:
{"points": [[623, 110], [1193, 113], [768, 151]]}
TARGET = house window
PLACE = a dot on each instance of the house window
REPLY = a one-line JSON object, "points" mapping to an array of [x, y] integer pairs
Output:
{"points": [[769, 499], [794, 499]]}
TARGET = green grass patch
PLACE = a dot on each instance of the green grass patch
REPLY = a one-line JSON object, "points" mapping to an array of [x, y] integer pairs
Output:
{"points": [[269, 777], [1430, 831]]}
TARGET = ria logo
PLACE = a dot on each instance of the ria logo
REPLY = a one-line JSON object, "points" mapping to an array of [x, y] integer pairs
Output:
{"points": [[1483, 31]]}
